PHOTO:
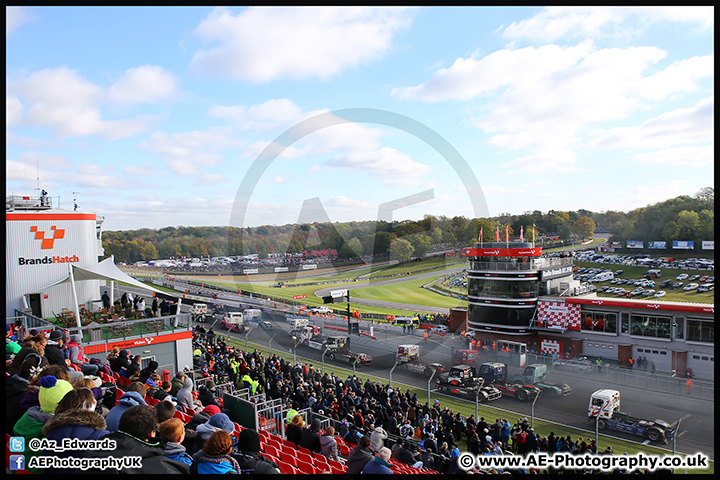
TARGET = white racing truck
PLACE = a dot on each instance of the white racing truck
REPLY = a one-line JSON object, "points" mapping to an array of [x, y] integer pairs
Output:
{"points": [[409, 357], [237, 321], [605, 407], [199, 312]]}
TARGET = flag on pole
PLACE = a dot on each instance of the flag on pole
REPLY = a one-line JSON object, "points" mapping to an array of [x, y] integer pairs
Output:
{"points": [[521, 234], [497, 233], [507, 234], [480, 235]]}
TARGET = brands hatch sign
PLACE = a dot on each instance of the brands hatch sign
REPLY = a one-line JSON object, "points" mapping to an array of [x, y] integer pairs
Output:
{"points": [[554, 272], [48, 244]]}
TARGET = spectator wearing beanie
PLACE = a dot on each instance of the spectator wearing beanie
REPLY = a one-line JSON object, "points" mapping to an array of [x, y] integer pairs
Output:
{"points": [[32, 422], [202, 417], [311, 437], [248, 455], [173, 431], [219, 421], [147, 371], [206, 394], [120, 362], [135, 395]]}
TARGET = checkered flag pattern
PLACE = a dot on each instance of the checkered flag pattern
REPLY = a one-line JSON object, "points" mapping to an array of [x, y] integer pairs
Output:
{"points": [[551, 346], [555, 314]]}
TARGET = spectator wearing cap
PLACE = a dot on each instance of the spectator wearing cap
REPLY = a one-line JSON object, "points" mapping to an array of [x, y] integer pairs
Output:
{"points": [[206, 394], [135, 395], [202, 417], [380, 464], [248, 455], [219, 421], [32, 422], [77, 358]]}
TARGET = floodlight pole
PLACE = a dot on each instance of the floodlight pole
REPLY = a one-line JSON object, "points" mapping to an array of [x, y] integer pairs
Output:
{"points": [[322, 358], [429, 382], [269, 347], [532, 410], [391, 371]]}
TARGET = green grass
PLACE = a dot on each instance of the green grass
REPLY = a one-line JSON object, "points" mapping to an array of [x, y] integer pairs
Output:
{"points": [[408, 292], [678, 295], [467, 408]]}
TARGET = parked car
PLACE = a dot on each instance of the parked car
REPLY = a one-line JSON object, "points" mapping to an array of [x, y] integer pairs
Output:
{"points": [[682, 276], [659, 294], [704, 278], [441, 329], [618, 272], [666, 283], [677, 285], [707, 287], [648, 293], [690, 286], [711, 280], [693, 278]]}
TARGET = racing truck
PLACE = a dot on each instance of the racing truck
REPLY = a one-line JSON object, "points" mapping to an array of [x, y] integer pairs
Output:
{"points": [[409, 357], [495, 373], [461, 380], [199, 312], [605, 407], [237, 321], [336, 348], [536, 374]]}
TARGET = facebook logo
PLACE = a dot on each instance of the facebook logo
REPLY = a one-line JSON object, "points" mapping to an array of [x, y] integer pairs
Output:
{"points": [[17, 444], [17, 462]]}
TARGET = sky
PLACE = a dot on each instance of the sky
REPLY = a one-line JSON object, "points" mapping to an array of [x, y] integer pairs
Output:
{"points": [[194, 116]]}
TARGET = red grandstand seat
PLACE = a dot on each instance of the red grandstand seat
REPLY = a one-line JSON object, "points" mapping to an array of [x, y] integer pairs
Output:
{"points": [[337, 467], [270, 450], [288, 458], [305, 451], [287, 469], [195, 395], [238, 427], [343, 449], [154, 401], [304, 457], [119, 393], [308, 468], [106, 378]]}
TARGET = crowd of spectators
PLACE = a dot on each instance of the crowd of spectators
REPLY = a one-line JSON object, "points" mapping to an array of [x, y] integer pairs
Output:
{"points": [[380, 423]]}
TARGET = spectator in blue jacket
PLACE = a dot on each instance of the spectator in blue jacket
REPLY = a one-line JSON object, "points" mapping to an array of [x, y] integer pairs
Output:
{"points": [[173, 431], [135, 395], [215, 456], [379, 465]]}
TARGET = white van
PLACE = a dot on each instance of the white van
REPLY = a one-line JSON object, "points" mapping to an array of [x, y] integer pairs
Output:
{"points": [[602, 277], [297, 323]]}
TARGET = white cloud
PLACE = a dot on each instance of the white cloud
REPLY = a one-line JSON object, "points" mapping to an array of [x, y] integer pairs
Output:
{"points": [[186, 153], [553, 23], [14, 18], [497, 190], [270, 115], [261, 44], [144, 84], [64, 102], [681, 156], [394, 167], [642, 195], [13, 110], [678, 127]]}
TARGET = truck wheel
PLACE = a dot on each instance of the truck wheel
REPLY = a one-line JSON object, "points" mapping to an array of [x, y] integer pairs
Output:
{"points": [[331, 356], [602, 424], [522, 395], [654, 434]]}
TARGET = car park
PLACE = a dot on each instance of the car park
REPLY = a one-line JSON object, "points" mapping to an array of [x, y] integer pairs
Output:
{"points": [[707, 287], [682, 276], [690, 286], [660, 293]]}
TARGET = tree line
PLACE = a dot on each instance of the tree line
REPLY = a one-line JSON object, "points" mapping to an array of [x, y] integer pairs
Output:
{"points": [[690, 217]]}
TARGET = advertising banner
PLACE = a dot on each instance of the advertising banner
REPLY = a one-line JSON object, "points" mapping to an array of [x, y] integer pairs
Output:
{"points": [[657, 245], [635, 244], [281, 269], [310, 267], [503, 252], [683, 245], [248, 271], [709, 245]]}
